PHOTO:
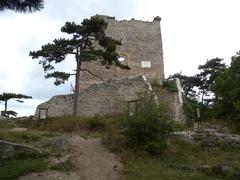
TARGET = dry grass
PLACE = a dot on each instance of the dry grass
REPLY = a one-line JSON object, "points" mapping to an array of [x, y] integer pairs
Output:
{"points": [[177, 162]]}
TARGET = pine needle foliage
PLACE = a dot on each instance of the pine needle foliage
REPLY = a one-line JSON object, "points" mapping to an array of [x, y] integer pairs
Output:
{"points": [[22, 6]]}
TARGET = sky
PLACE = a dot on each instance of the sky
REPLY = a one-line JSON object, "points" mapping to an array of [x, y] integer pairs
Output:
{"points": [[192, 32]]}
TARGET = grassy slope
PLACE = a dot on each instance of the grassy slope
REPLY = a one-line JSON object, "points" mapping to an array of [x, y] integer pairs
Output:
{"points": [[21, 165], [172, 164], [176, 163], [18, 166]]}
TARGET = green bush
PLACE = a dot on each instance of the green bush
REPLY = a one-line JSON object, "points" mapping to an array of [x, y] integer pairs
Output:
{"points": [[155, 148], [94, 123], [150, 123], [170, 85]]}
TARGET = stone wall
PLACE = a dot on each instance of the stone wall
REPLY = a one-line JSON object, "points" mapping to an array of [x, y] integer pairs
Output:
{"points": [[209, 139], [10, 150], [60, 105], [141, 42], [172, 99], [109, 97]]}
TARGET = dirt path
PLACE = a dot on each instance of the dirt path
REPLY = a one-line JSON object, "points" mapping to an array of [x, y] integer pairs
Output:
{"points": [[92, 160]]}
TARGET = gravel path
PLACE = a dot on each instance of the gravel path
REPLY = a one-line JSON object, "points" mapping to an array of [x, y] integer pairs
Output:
{"points": [[92, 160]]}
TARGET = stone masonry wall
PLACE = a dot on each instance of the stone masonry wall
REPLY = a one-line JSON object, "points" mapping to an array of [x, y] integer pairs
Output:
{"points": [[141, 41], [11, 150], [171, 99], [109, 97]]}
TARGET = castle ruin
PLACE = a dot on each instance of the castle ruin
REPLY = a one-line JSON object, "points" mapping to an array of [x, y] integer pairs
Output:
{"points": [[142, 51]]}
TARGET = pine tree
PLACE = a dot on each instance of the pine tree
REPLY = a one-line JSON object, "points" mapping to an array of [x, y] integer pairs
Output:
{"points": [[22, 6], [207, 76], [5, 97], [82, 45]]}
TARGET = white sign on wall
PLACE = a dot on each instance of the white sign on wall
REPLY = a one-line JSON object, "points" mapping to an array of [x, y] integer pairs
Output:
{"points": [[146, 64]]}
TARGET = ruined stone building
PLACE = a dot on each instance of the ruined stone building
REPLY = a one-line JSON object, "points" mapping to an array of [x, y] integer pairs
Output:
{"points": [[142, 51]]}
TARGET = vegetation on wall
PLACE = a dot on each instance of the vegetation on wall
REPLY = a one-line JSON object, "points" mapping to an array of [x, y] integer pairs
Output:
{"points": [[170, 85]]}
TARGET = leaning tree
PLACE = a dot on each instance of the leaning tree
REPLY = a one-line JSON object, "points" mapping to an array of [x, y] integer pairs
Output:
{"points": [[5, 97], [88, 42]]}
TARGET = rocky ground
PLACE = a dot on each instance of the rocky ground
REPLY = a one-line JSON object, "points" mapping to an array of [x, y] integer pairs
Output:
{"points": [[209, 138], [75, 157]]}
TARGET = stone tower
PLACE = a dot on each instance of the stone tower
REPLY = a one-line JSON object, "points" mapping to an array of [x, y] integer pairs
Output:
{"points": [[141, 50]]}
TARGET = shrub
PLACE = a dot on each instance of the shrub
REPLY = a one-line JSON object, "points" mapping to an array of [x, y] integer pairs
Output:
{"points": [[116, 143], [95, 123], [170, 85], [149, 125], [155, 148]]}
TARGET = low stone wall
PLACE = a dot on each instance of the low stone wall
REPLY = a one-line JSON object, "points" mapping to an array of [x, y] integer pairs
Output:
{"points": [[10, 150], [60, 105], [109, 97], [209, 139]]}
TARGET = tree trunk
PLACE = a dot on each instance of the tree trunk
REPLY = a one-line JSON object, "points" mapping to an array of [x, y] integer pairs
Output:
{"points": [[76, 91], [5, 109], [202, 100]]}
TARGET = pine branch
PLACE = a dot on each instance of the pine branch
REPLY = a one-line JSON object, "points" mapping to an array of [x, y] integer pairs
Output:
{"points": [[8, 113], [60, 77], [86, 70], [23, 6]]}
